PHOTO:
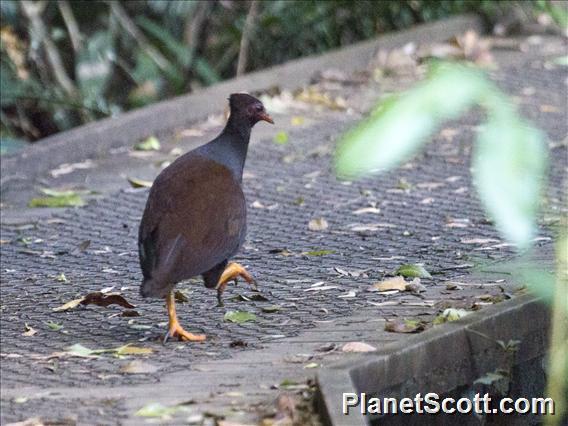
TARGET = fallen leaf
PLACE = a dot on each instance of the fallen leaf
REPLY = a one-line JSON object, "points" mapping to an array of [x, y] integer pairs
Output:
{"points": [[453, 286], [479, 240], [70, 199], [61, 278], [415, 286], [297, 121], [29, 331], [314, 96], [396, 283], [150, 144], [131, 350], [78, 350], [349, 295], [180, 296], [319, 224], [53, 325], [239, 317], [69, 305], [188, 133], [155, 409], [285, 409], [413, 271], [318, 252], [270, 309], [32, 421], [139, 183], [358, 347], [449, 315], [292, 385], [281, 138], [366, 210], [100, 299], [492, 377], [404, 326], [138, 367], [65, 168], [311, 365], [321, 288]]}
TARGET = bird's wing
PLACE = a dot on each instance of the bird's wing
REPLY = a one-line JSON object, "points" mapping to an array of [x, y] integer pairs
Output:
{"points": [[195, 218]]}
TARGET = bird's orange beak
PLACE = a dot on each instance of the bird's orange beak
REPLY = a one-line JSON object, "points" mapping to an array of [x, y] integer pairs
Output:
{"points": [[265, 117]]}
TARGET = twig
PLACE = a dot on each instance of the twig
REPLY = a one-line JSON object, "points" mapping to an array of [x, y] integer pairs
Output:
{"points": [[71, 24], [33, 11], [137, 35], [245, 39]]}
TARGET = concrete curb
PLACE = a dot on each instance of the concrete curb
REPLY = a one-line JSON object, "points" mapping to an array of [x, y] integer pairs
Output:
{"points": [[96, 139], [439, 360]]}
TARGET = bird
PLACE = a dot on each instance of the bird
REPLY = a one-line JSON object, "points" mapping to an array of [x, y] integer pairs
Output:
{"points": [[195, 215]]}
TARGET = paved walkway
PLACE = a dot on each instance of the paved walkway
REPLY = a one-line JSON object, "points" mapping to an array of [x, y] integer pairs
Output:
{"points": [[314, 284]]}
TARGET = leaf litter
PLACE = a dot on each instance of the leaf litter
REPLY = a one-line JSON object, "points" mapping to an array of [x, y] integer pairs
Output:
{"points": [[239, 317], [405, 326], [96, 298]]}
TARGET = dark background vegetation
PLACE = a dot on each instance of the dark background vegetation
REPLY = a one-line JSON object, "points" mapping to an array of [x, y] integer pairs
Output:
{"points": [[65, 63]]}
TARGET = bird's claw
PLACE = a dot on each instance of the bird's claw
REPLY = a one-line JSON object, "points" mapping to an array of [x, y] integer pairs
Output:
{"points": [[176, 330]]}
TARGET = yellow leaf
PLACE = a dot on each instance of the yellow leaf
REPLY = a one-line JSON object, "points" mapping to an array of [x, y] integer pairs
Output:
{"points": [[69, 305], [396, 283]]}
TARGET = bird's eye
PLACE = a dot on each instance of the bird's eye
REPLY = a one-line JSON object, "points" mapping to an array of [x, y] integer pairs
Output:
{"points": [[258, 107]]}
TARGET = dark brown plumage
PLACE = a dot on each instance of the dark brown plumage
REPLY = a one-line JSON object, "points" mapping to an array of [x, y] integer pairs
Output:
{"points": [[195, 216]]}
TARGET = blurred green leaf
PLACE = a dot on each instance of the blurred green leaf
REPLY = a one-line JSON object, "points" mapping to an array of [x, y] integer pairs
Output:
{"points": [[399, 125], [509, 165]]}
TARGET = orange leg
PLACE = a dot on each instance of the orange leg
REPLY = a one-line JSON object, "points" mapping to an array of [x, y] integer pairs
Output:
{"points": [[174, 327], [232, 272]]}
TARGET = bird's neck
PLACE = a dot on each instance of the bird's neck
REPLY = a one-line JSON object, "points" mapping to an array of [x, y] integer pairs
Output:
{"points": [[233, 145]]}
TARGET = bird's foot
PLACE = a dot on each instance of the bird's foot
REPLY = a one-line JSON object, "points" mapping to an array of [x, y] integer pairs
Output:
{"points": [[231, 273], [176, 330]]}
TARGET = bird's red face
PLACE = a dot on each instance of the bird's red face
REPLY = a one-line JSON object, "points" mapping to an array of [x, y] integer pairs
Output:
{"points": [[249, 108], [258, 113]]}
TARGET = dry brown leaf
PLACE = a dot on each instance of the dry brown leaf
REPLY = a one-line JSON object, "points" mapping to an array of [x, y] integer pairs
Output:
{"points": [[358, 347], [396, 283], [100, 299], [95, 298], [285, 408], [319, 224]]}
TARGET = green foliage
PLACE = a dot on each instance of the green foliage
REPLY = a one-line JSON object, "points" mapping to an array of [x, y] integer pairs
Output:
{"points": [[121, 55], [510, 157]]}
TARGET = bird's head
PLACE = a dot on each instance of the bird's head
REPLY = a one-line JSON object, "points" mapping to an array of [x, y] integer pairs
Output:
{"points": [[247, 107]]}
